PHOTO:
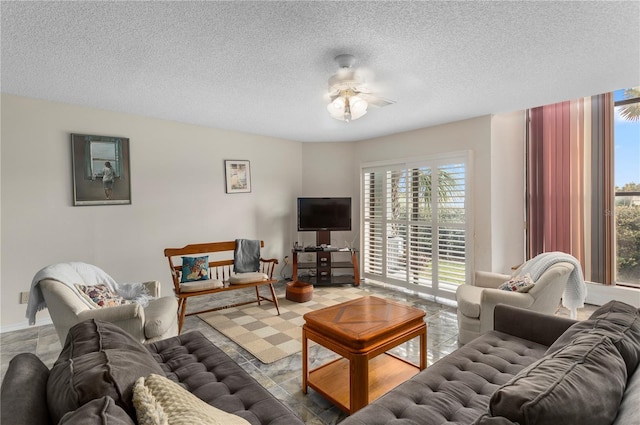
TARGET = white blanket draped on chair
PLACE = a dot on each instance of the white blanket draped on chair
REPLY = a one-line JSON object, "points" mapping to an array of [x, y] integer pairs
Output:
{"points": [[76, 272], [576, 290]]}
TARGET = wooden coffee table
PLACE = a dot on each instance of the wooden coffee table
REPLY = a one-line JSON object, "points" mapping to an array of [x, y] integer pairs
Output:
{"points": [[361, 331]]}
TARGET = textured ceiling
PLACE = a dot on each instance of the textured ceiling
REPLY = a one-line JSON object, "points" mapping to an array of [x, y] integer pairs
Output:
{"points": [[262, 67]]}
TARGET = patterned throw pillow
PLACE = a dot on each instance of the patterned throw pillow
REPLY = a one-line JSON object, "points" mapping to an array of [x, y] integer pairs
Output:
{"points": [[101, 295], [160, 401], [518, 284], [195, 268]]}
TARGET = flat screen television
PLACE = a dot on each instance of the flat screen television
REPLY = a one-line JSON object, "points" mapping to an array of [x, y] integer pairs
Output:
{"points": [[316, 214]]}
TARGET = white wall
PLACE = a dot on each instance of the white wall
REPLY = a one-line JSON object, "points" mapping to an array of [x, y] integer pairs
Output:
{"points": [[507, 191], [329, 170], [178, 196]]}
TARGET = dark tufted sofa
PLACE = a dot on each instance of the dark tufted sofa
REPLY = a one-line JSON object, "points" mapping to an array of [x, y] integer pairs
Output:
{"points": [[531, 369], [93, 378]]}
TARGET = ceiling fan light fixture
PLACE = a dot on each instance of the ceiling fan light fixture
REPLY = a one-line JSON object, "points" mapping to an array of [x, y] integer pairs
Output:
{"points": [[337, 107], [358, 107], [338, 103], [347, 107]]}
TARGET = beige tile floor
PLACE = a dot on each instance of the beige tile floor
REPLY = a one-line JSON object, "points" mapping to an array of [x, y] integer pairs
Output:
{"points": [[282, 378]]}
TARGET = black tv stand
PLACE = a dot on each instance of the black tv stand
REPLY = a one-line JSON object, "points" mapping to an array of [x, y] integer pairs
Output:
{"points": [[323, 237], [320, 271], [313, 248]]}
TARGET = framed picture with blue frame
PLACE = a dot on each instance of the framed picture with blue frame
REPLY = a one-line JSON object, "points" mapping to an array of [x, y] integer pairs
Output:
{"points": [[100, 169]]}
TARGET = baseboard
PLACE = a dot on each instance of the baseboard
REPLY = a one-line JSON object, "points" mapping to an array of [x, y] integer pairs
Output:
{"points": [[24, 325], [598, 294]]}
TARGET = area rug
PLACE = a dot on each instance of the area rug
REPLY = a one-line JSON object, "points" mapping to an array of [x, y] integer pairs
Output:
{"points": [[269, 337]]}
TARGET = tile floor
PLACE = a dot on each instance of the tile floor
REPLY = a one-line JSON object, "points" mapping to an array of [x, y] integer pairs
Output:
{"points": [[282, 378]]}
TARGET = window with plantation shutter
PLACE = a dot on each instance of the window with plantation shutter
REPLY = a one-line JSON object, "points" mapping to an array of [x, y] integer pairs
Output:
{"points": [[415, 228]]}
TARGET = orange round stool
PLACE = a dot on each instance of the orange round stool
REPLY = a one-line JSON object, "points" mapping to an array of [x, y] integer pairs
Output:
{"points": [[299, 292]]}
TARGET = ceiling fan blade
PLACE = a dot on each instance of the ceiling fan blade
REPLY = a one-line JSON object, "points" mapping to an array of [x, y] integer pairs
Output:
{"points": [[376, 100], [364, 89], [333, 94]]}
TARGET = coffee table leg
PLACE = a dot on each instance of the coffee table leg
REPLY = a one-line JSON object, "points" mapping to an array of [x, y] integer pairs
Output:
{"points": [[358, 382], [423, 349], [305, 358]]}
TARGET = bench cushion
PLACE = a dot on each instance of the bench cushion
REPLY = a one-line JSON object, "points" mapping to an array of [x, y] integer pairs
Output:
{"points": [[200, 285], [240, 278]]}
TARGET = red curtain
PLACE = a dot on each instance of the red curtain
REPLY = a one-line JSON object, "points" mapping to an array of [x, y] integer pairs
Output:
{"points": [[569, 183]]}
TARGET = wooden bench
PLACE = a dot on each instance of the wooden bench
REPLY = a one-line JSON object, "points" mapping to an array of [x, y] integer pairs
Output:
{"points": [[220, 271]]}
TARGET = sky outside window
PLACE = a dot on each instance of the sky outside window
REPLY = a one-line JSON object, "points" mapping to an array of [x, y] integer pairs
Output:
{"points": [[627, 147]]}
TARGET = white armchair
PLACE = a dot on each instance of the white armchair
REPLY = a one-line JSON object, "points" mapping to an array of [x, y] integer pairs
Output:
{"points": [[477, 301], [157, 320]]}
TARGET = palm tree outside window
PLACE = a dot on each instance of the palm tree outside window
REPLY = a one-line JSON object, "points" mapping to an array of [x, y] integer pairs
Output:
{"points": [[415, 224], [627, 184]]}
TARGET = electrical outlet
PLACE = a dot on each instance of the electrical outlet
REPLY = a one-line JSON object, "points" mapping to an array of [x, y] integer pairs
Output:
{"points": [[24, 297]]}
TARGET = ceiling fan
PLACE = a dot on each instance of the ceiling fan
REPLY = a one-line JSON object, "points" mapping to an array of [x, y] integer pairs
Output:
{"points": [[349, 94]]}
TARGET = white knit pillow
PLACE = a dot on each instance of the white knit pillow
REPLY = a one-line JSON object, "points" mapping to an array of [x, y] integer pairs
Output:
{"points": [[160, 401]]}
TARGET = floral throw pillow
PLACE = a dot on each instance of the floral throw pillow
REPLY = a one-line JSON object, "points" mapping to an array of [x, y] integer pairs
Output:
{"points": [[195, 268], [518, 284], [101, 295]]}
